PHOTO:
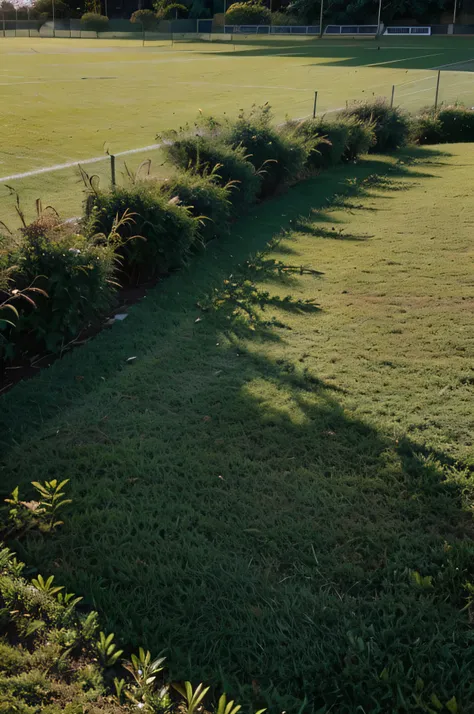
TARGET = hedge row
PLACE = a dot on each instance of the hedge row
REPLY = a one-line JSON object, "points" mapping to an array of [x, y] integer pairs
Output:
{"points": [[56, 278]]}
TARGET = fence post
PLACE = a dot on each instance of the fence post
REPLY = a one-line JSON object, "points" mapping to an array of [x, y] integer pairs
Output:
{"points": [[314, 105], [393, 95], [3, 17], [437, 89], [112, 169]]}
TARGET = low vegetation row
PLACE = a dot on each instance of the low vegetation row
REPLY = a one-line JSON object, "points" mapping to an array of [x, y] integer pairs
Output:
{"points": [[57, 277]]}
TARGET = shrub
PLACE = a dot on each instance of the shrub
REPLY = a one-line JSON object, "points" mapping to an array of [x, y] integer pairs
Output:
{"points": [[391, 126], [360, 139], [205, 199], [276, 156], [326, 140], [146, 18], [158, 238], [457, 123], [93, 22], [74, 274], [426, 128], [247, 13], [229, 167], [282, 18], [173, 11]]}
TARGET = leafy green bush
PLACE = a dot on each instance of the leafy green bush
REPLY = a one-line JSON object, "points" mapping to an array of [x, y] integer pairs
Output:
{"points": [[282, 18], [276, 156], [173, 11], [326, 140], [391, 125], [156, 238], [360, 139], [426, 128], [248, 13], [146, 18], [205, 199], [229, 167], [457, 123], [94, 22], [45, 7], [70, 276]]}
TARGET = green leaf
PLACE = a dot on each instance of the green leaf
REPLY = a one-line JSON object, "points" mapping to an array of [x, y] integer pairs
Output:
{"points": [[452, 705]]}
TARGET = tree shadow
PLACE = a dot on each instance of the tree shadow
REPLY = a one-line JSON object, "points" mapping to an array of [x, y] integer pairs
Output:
{"points": [[350, 52]]}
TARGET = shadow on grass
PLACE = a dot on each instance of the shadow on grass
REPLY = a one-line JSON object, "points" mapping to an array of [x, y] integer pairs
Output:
{"points": [[350, 52], [228, 509]]}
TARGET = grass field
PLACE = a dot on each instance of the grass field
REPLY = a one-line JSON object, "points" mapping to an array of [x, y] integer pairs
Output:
{"points": [[69, 100], [255, 502]]}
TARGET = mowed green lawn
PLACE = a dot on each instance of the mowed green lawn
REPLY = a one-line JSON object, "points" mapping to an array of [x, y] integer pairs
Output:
{"points": [[257, 500], [70, 100]]}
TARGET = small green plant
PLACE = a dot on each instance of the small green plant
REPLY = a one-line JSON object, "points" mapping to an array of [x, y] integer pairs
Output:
{"points": [[192, 697], [107, 650], [52, 500], [42, 513], [46, 586], [143, 669], [225, 707], [423, 583]]}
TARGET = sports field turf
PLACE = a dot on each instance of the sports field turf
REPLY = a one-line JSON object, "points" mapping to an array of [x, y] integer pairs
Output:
{"points": [[258, 502], [69, 100]]}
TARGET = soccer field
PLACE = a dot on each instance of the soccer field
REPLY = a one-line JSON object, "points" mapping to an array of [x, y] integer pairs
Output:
{"points": [[64, 101]]}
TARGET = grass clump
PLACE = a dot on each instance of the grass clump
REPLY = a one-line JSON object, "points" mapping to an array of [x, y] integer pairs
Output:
{"points": [[229, 167], [391, 125], [157, 235], [204, 198]]}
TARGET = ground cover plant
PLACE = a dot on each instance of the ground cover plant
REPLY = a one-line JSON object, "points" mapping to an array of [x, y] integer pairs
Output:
{"points": [[269, 460], [66, 100]]}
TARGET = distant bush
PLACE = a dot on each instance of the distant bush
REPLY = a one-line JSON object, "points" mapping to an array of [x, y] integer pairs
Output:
{"points": [[146, 18], [247, 13], [45, 7], [391, 125], [282, 18], [205, 199], [277, 157], [93, 22], [71, 280], [156, 240], [173, 11], [229, 167]]}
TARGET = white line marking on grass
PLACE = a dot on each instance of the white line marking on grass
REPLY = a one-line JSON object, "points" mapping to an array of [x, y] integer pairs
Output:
{"points": [[246, 86], [404, 59], [70, 164], [451, 64]]}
